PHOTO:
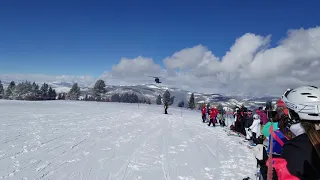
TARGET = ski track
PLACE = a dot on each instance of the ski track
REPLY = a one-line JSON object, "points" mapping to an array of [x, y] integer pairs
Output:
{"points": [[92, 140]]}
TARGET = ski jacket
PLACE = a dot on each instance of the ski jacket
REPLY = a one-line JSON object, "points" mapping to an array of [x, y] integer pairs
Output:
{"points": [[299, 160], [255, 127], [249, 121], [214, 113], [203, 111], [263, 117]]}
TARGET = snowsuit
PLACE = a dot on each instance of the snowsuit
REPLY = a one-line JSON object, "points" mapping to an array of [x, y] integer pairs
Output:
{"points": [[299, 160], [203, 112], [254, 131]]}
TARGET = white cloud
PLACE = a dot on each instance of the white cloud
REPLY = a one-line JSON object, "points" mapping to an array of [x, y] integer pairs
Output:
{"points": [[250, 66]]}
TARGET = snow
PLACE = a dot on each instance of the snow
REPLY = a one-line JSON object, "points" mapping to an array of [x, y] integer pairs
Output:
{"points": [[95, 140]]}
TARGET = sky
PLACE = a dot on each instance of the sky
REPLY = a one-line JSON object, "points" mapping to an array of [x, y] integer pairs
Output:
{"points": [[226, 46]]}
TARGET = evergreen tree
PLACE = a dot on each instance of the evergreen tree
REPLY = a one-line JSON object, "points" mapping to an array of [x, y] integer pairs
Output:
{"points": [[86, 98], [158, 101], [36, 93], [99, 88], [52, 94], [166, 97], [44, 91], [1, 91], [171, 100], [74, 92], [115, 98], [191, 102], [181, 104], [10, 89]]}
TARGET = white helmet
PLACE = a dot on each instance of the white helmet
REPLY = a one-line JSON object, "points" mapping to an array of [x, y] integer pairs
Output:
{"points": [[303, 103], [256, 116]]}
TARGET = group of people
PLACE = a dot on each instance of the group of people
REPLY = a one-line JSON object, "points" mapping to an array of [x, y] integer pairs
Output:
{"points": [[212, 115], [285, 139]]}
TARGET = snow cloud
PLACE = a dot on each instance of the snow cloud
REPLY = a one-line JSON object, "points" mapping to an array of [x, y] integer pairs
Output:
{"points": [[250, 66]]}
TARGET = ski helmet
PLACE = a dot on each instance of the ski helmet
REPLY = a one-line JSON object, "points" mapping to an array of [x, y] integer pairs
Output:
{"points": [[303, 103]]}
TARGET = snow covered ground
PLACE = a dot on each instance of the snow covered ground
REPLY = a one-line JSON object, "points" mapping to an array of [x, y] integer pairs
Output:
{"points": [[92, 140]]}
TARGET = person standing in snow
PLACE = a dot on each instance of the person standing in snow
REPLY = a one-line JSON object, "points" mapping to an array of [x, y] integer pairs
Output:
{"points": [[254, 129], [165, 108], [263, 116], [203, 113], [213, 116], [249, 121]]}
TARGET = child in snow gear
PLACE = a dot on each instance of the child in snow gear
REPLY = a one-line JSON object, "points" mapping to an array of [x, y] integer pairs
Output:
{"points": [[254, 130]]}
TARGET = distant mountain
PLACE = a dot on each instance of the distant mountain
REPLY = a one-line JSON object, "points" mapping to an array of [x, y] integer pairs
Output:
{"points": [[152, 91]]}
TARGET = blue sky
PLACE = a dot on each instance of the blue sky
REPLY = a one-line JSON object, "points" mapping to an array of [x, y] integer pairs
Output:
{"points": [[88, 37]]}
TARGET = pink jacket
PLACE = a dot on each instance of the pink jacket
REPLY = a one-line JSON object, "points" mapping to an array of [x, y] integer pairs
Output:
{"points": [[263, 116]]}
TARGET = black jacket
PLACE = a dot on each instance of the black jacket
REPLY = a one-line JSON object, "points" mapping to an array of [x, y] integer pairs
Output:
{"points": [[249, 121], [302, 158]]}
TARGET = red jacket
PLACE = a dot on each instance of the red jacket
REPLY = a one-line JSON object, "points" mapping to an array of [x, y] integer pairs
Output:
{"points": [[204, 110], [213, 113]]}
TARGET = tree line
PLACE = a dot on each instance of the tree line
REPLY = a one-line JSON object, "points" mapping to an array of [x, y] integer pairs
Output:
{"points": [[33, 92], [167, 98], [27, 91]]}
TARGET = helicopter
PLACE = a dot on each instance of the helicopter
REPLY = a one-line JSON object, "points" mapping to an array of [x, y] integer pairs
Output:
{"points": [[156, 79]]}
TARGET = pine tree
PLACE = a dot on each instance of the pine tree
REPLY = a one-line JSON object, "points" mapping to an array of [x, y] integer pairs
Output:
{"points": [[52, 94], [181, 104], [1, 91], [115, 98], [171, 100], [166, 97], [99, 88], [36, 93], [74, 92], [10, 90], [191, 102], [44, 91], [158, 101]]}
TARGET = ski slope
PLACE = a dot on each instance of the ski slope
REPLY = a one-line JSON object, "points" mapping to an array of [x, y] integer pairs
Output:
{"points": [[94, 140]]}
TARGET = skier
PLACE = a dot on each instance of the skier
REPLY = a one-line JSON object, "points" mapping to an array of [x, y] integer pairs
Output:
{"points": [[300, 158], [203, 113]]}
